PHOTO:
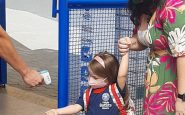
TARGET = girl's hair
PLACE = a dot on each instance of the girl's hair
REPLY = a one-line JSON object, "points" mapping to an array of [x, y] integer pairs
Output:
{"points": [[111, 67], [140, 7], [110, 71]]}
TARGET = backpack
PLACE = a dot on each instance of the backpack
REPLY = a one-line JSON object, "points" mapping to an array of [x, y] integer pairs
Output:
{"points": [[116, 97]]}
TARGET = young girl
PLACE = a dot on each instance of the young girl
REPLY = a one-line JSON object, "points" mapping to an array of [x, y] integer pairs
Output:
{"points": [[107, 93]]}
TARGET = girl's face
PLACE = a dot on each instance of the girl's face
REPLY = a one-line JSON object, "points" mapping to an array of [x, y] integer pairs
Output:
{"points": [[96, 81]]}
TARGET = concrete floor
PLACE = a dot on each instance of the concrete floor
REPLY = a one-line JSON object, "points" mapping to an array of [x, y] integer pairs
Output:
{"points": [[15, 105], [12, 106]]}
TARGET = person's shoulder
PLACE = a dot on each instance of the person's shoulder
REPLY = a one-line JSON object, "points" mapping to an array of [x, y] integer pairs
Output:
{"points": [[170, 4], [168, 11]]}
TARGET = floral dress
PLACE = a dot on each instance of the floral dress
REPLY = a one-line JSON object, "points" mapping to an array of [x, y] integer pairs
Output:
{"points": [[166, 39]]}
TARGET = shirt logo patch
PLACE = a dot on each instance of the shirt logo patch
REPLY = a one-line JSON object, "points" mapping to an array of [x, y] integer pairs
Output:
{"points": [[105, 101], [105, 97]]}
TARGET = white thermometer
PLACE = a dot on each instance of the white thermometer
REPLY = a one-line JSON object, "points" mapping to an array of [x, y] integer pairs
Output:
{"points": [[46, 76]]}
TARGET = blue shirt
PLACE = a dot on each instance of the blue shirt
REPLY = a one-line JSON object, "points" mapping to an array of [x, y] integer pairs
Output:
{"points": [[100, 104]]}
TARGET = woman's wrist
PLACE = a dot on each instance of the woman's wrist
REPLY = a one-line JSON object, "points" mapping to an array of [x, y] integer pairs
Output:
{"points": [[179, 100], [181, 97], [25, 71], [135, 44]]}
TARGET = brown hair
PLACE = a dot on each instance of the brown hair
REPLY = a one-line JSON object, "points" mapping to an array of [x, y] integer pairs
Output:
{"points": [[110, 71]]}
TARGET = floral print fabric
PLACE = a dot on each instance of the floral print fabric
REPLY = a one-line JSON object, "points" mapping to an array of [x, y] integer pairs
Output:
{"points": [[167, 37]]}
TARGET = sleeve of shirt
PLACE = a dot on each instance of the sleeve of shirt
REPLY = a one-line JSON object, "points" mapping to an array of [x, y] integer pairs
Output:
{"points": [[174, 29], [80, 101]]}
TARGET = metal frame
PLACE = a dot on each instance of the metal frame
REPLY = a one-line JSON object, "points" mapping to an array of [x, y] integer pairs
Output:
{"points": [[97, 3], [63, 58], [3, 66]]}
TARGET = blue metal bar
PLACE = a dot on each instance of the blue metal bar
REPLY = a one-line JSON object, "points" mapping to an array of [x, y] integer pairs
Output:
{"points": [[98, 3], [63, 68], [3, 66], [54, 9]]}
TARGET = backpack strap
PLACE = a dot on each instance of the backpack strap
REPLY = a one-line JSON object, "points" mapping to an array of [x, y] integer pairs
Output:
{"points": [[86, 97], [117, 98]]}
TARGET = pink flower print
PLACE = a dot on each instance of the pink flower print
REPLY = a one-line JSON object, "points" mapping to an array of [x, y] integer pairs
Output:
{"points": [[167, 96], [167, 12], [151, 107], [148, 110], [161, 43], [163, 100], [171, 62]]}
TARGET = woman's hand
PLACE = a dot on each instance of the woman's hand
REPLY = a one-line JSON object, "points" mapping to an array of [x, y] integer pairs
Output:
{"points": [[180, 107], [52, 112], [124, 45], [32, 78]]}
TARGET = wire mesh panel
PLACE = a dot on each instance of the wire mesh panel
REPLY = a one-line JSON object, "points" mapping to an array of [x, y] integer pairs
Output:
{"points": [[96, 30]]}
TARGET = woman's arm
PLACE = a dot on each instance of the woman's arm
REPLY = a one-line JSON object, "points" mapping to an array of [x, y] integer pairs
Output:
{"points": [[180, 74], [123, 70], [10, 55], [132, 43], [68, 110], [126, 44], [180, 105]]}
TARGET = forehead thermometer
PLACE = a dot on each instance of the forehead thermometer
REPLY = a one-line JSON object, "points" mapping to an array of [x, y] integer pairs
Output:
{"points": [[46, 76]]}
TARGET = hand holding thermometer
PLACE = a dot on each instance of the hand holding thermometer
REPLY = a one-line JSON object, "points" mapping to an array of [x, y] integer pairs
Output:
{"points": [[46, 76]]}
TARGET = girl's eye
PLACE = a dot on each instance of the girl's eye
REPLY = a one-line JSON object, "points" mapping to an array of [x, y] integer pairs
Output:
{"points": [[95, 78]]}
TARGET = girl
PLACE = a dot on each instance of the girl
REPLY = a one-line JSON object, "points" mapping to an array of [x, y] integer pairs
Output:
{"points": [[108, 94]]}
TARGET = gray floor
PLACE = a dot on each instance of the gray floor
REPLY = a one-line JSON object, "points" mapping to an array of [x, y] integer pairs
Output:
{"points": [[10, 105]]}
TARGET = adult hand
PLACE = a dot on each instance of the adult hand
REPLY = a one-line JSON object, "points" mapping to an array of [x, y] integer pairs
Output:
{"points": [[52, 112], [180, 107], [124, 45], [32, 78]]}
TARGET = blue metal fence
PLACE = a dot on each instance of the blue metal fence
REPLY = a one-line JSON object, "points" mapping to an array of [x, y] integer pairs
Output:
{"points": [[3, 68], [85, 28]]}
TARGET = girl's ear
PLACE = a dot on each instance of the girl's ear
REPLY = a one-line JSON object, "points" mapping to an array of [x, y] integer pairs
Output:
{"points": [[107, 80]]}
